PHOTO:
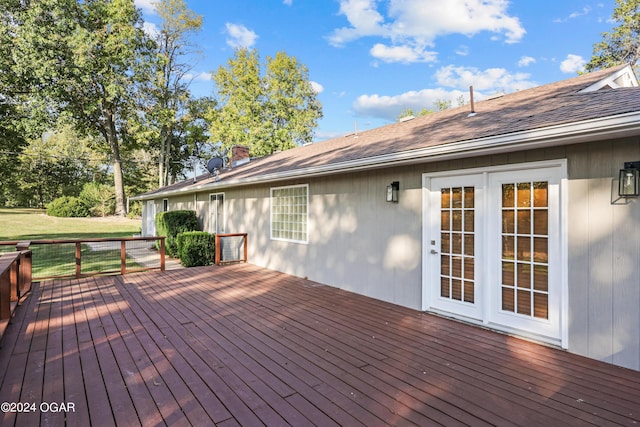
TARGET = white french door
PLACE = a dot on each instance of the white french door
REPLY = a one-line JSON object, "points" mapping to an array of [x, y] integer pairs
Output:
{"points": [[454, 247], [493, 248]]}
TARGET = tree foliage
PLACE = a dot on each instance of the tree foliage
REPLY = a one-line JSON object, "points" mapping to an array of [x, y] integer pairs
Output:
{"points": [[267, 112], [169, 113], [83, 58], [622, 44]]}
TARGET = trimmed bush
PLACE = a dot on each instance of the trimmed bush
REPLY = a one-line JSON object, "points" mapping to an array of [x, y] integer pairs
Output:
{"points": [[171, 223], [196, 248], [67, 206]]}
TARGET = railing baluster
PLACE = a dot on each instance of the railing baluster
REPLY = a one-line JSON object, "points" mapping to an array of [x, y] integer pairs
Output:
{"points": [[78, 260]]}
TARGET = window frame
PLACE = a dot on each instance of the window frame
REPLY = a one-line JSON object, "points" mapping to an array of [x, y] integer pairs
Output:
{"points": [[304, 215], [212, 229]]}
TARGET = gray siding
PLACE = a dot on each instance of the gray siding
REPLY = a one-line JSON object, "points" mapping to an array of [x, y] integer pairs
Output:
{"points": [[361, 243]]}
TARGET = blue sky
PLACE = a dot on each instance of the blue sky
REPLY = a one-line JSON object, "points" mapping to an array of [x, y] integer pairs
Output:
{"points": [[369, 59]]}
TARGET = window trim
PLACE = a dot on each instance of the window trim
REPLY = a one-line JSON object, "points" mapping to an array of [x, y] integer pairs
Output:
{"points": [[306, 215], [165, 205]]}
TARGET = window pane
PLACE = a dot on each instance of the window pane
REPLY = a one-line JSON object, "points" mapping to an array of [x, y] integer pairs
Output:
{"points": [[456, 197], [457, 220], [540, 222], [468, 244], [524, 221], [444, 220], [507, 196], [468, 268], [541, 305], [468, 291], [508, 221], [540, 194], [524, 194], [445, 243], [508, 273], [524, 302], [508, 250], [456, 266], [469, 200], [541, 278], [456, 289], [524, 248], [444, 287], [468, 220], [445, 198], [524, 275], [508, 299], [289, 213], [540, 249], [456, 243]]}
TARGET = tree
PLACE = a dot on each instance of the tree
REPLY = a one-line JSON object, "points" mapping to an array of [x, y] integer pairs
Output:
{"points": [[267, 113], [622, 45], [84, 58], [169, 93], [56, 164]]}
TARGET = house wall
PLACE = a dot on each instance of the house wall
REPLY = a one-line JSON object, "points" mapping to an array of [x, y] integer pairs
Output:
{"points": [[361, 243]]}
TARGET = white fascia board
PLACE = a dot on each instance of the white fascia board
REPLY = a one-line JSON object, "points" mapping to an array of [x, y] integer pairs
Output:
{"points": [[577, 132]]}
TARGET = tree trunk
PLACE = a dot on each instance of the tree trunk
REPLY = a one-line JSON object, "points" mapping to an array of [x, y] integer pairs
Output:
{"points": [[118, 179]]}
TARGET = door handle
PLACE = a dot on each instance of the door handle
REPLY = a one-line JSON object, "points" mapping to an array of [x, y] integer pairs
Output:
{"points": [[433, 251]]}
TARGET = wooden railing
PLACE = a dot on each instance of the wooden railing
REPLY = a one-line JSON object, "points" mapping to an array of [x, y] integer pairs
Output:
{"points": [[220, 250], [15, 283], [125, 255]]}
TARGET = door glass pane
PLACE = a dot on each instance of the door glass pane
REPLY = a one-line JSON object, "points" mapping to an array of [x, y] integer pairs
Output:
{"points": [[525, 282], [508, 196], [457, 265]]}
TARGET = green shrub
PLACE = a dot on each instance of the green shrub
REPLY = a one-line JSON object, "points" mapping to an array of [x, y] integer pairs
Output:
{"points": [[171, 223], [100, 198], [195, 248], [68, 206]]}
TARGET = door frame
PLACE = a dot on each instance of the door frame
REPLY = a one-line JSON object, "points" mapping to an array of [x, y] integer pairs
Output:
{"points": [[561, 338]]}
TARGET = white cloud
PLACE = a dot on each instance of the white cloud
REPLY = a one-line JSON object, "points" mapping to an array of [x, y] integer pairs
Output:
{"points": [[573, 15], [414, 25], [147, 6], [240, 36], [317, 87], [491, 79], [288, 2], [463, 50], [453, 82], [573, 64], [404, 54], [150, 29], [389, 107], [525, 61]]}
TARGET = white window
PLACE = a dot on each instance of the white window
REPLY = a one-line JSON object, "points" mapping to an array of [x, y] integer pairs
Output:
{"points": [[165, 205], [216, 213], [289, 213]]}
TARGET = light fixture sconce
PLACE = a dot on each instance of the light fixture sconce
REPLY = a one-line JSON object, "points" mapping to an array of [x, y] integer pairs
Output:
{"points": [[628, 183], [392, 192]]}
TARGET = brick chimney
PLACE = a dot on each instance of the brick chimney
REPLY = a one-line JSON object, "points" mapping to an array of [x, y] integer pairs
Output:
{"points": [[239, 155]]}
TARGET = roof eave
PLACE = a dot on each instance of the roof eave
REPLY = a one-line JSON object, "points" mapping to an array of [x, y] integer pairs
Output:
{"points": [[618, 126]]}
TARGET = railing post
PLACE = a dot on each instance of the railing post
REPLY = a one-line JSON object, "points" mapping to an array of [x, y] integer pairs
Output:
{"points": [[217, 250], [162, 252], [78, 260], [123, 257], [25, 272]]}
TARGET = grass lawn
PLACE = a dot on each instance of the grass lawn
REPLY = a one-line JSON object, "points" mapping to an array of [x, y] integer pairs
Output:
{"points": [[59, 259], [34, 224]]}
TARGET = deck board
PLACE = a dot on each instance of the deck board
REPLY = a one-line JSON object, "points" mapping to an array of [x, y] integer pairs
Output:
{"points": [[241, 345]]}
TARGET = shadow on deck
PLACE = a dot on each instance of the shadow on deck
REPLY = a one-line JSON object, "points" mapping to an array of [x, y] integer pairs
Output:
{"points": [[242, 345]]}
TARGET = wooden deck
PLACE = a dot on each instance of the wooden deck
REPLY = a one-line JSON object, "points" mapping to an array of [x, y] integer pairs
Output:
{"points": [[241, 345]]}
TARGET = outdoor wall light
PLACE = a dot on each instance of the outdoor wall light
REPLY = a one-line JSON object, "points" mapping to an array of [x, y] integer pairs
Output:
{"points": [[392, 192], [628, 183]]}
